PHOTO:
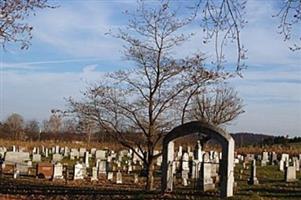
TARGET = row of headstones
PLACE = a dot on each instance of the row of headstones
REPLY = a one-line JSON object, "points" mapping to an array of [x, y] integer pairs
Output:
{"points": [[200, 165], [271, 158], [79, 173], [104, 165], [73, 153], [289, 173]]}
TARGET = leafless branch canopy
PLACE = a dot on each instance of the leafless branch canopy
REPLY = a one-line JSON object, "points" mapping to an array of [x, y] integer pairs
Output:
{"points": [[290, 18], [222, 21], [218, 106], [13, 28]]}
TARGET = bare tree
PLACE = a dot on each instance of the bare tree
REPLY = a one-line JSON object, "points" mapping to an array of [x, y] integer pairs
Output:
{"points": [[54, 124], [218, 106], [69, 125], [13, 28], [143, 98], [15, 123], [32, 129]]}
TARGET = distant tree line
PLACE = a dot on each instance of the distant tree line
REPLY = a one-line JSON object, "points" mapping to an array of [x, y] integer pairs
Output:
{"points": [[57, 128], [281, 140]]}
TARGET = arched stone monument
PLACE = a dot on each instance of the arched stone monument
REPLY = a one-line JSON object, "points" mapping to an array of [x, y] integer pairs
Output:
{"points": [[224, 139]]}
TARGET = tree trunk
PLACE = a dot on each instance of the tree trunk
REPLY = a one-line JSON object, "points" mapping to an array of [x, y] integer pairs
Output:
{"points": [[149, 176]]}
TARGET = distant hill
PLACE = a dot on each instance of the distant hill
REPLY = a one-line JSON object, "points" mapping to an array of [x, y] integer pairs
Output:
{"points": [[242, 139]]}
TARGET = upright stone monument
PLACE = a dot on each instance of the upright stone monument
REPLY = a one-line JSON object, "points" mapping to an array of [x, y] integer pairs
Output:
{"points": [[253, 179], [290, 174], [119, 178], [58, 171]]}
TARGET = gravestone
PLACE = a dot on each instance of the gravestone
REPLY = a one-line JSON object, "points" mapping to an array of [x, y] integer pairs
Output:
{"points": [[290, 174], [93, 151], [87, 159], [75, 153], [57, 149], [265, 156], [263, 163], [253, 179], [185, 168], [34, 150], [195, 169], [72, 155], [36, 158], [296, 164], [185, 162], [119, 178], [78, 171], [22, 168], [205, 181], [136, 179], [180, 152], [274, 158], [46, 152], [82, 152], [102, 167], [45, 170], [43, 149], [66, 152], [198, 154], [57, 157], [100, 154], [12, 157], [281, 165], [110, 176], [94, 174], [58, 171]]}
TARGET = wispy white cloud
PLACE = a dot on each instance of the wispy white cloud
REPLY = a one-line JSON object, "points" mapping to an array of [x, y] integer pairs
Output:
{"points": [[79, 30], [38, 64]]}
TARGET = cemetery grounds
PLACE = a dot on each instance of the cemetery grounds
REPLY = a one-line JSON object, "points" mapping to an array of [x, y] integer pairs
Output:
{"points": [[271, 186]]}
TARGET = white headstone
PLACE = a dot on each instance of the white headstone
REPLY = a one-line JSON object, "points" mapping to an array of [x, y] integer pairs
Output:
{"points": [[57, 157], [185, 162], [290, 174], [110, 176], [57, 149], [102, 167], [36, 158], [100, 154], [119, 178], [78, 171], [46, 152], [87, 159], [16, 157], [58, 171], [94, 174], [82, 152]]}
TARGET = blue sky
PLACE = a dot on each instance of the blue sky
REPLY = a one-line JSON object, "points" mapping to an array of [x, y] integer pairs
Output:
{"points": [[70, 49]]}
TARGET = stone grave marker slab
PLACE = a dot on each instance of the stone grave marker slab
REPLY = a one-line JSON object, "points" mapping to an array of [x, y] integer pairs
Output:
{"points": [[45, 170]]}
